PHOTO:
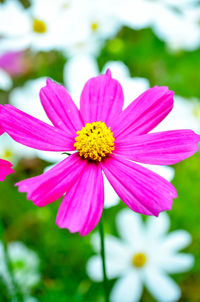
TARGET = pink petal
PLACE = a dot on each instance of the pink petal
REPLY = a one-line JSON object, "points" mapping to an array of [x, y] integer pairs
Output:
{"points": [[142, 190], [101, 99], [162, 148], [32, 132], [82, 206], [60, 107], [1, 131], [51, 185], [5, 169], [145, 113]]}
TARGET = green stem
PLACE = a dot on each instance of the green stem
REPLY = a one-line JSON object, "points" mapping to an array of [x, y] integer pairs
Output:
{"points": [[16, 295], [105, 279]]}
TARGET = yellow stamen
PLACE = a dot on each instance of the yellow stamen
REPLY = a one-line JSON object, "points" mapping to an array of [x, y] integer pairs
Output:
{"points": [[139, 260], [39, 26], [94, 26], [196, 111], [7, 154], [66, 5], [94, 141]]}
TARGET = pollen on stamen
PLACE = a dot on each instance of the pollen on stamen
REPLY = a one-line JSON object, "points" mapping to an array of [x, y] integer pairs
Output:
{"points": [[95, 141], [139, 260], [39, 26], [94, 26]]}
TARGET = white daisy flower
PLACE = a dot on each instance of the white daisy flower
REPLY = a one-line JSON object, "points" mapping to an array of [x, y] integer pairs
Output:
{"points": [[71, 25], [92, 24], [144, 256], [37, 27], [25, 266]]}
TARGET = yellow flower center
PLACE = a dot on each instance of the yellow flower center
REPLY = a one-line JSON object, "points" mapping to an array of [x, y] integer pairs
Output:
{"points": [[66, 5], [94, 141], [139, 260], [94, 26], [196, 111], [7, 154], [39, 26]]}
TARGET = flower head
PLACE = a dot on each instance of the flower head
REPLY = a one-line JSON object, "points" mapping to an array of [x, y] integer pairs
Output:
{"points": [[25, 267], [124, 138], [144, 255]]}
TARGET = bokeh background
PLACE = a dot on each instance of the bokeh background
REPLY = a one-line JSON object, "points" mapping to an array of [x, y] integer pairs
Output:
{"points": [[160, 44]]}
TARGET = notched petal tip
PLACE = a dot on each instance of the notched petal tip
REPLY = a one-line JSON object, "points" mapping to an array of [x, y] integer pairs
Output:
{"points": [[108, 73]]}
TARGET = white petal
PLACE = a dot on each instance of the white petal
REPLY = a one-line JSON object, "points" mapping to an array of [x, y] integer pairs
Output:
{"points": [[113, 268], [134, 14], [5, 80], [27, 99], [52, 157], [130, 228], [176, 263], [30, 299], [132, 87], [164, 171], [185, 115], [21, 19], [162, 287], [118, 69], [157, 227], [127, 288], [176, 240], [77, 71], [114, 247], [110, 196], [177, 30], [12, 151]]}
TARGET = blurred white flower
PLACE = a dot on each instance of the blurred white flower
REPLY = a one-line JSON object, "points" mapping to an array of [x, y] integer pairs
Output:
{"points": [[144, 256], [185, 115], [175, 27], [25, 267], [5, 80], [94, 23], [37, 27], [74, 26], [8, 149], [169, 19]]}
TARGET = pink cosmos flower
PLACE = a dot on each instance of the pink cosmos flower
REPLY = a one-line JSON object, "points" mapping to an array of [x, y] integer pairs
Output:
{"points": [[105, 138], [14, 63], [5, 166]]}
